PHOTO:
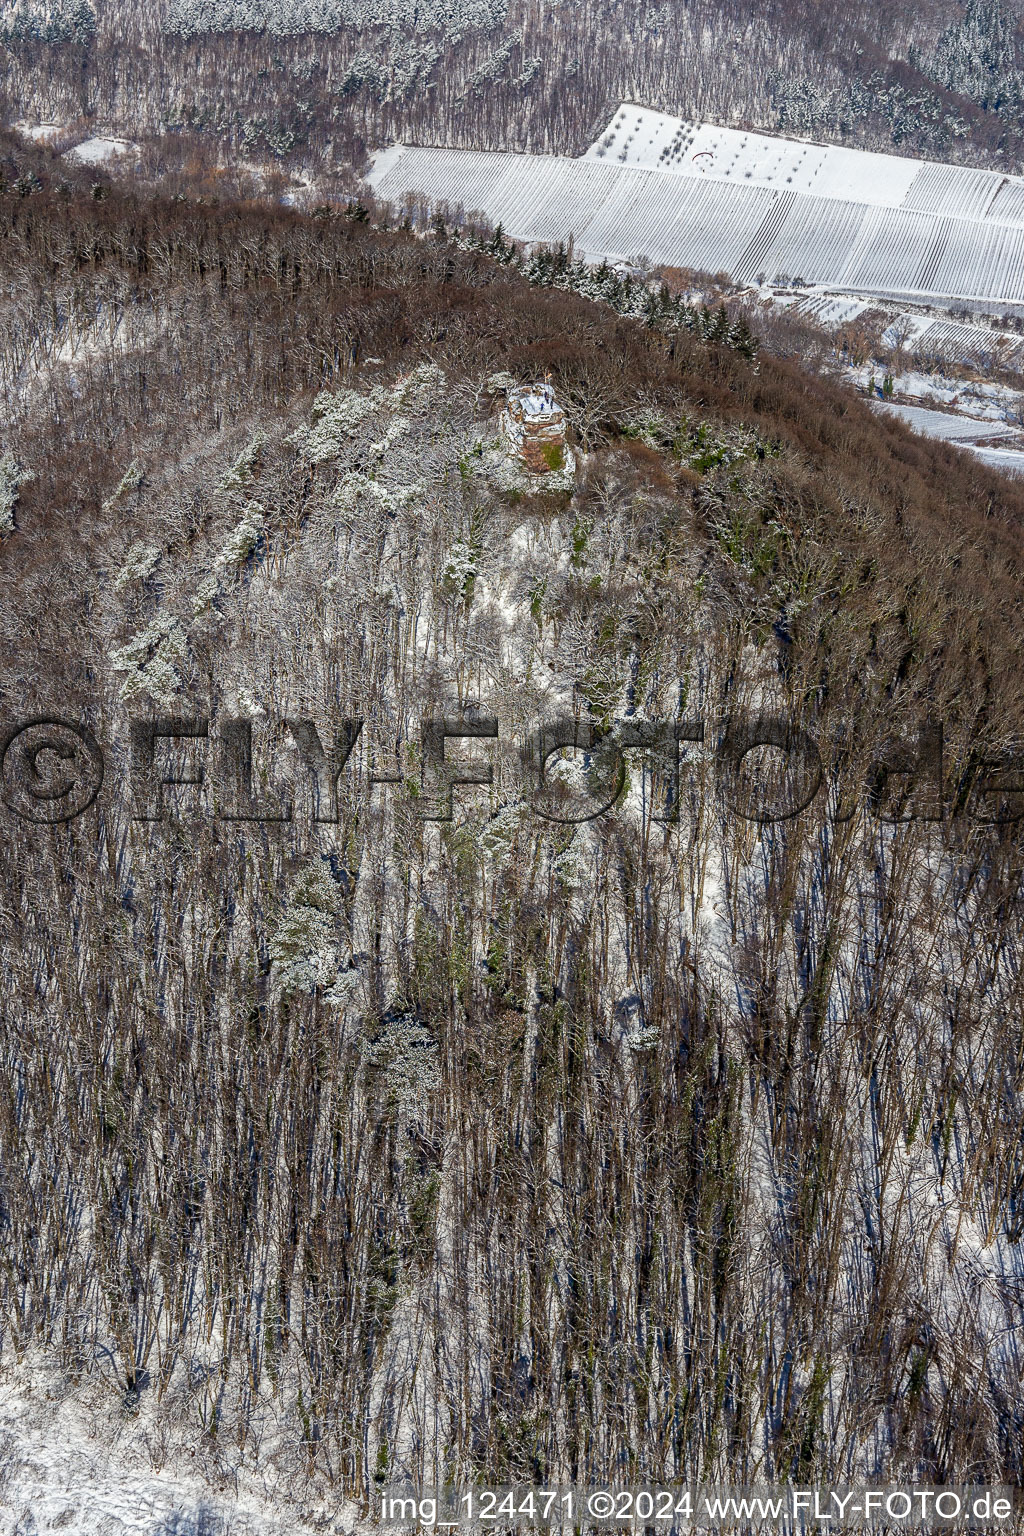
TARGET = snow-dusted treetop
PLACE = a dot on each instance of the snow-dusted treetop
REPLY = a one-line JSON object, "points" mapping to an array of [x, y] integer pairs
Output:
{"points": [[47, 21], [188, 18]]}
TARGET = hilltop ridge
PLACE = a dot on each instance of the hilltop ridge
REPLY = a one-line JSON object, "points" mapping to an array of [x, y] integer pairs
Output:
{"points": [[331, 1145]]}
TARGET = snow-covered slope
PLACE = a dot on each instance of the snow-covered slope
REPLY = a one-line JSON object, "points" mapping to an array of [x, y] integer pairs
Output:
{"points": [[942, 424], [70, 1462], [654, 141], [757, 207]]}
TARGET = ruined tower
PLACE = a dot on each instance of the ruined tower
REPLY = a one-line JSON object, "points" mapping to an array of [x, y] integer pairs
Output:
{"points": [[533, 424]]}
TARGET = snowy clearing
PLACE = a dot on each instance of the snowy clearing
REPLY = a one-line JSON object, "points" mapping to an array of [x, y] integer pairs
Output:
{"points": [[829, 310], [39, 133], [97, 150], [965, 431]]}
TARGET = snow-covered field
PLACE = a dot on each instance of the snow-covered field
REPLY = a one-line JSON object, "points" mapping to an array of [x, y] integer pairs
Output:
{"points": [[843, 233], [942, 424], [1004, 459], [97, 150], [759, 208], [916, 331], [829, 310], [636, 136], [968, 344], [970, 432]]}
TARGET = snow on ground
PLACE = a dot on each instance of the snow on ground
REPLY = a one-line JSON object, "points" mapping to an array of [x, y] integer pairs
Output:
{"points": [[966, 431], [941, 424], [303, 191], [1004, 459], [830, 310], [97, 150], [77, 348], [648, 140], [756, 206], [66, 1466], [39, 133], [385, 160], [708, 214], [638, 136], [70, 1461], [979, 398], [913, 330]]}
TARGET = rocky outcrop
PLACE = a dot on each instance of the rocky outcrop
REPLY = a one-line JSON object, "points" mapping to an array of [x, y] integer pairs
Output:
{"points": [[533, 424]]}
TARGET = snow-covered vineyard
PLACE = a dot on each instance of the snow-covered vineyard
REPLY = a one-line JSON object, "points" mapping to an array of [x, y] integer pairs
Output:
{"points": [[945, 340], [759, 208]]}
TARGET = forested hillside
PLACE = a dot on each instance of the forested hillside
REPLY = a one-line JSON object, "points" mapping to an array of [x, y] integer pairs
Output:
{"points": [[348, 1142], [320, 81]]}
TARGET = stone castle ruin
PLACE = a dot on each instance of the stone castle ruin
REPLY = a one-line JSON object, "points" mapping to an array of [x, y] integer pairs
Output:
{"points": [[533, 424]]}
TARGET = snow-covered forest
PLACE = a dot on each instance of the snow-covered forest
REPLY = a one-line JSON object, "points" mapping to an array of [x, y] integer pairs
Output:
{"points": [[322, 80], [354, 1143]]}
